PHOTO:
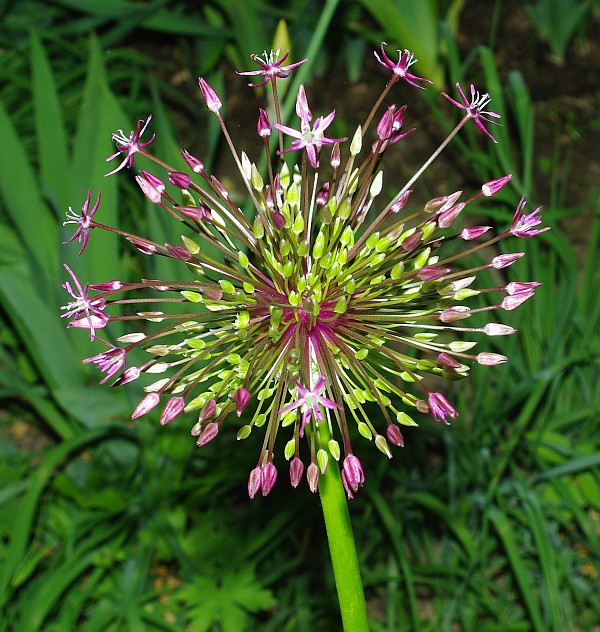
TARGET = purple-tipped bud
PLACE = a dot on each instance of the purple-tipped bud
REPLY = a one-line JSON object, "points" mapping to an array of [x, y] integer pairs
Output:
{"points": [[336, 156], [352, 474], [498, 329], [323, 195], [302, 109], [312, 476], [196, 213], [472, 232], [209, 432], [172, 408], [263, 126], [395, 436], [147, 403], [157, 183], [413, 240], [268, 476], [514, 287], [452, 314], [512, 301], [433, 274], [278, 220], [128, 375], [193, 163], [180, 180], [490, 359], [145, 247], [109, 286], [208, 410], [254, 482], [399, 203], [150, 191], [213, 103], [296, 471], [179, 252], [242, 397], [447, 218], [441, 408], [448, 360], [493, 186], [503, 261]]}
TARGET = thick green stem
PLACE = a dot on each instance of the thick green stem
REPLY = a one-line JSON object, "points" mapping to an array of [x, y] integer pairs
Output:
{"points": [[343, 550]]}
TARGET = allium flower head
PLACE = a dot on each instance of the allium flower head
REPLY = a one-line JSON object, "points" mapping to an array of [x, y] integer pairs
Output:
{"points": [[327, 303]]}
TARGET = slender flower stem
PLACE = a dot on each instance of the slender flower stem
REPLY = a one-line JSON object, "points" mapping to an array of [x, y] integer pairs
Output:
{"points": [[341, 546]]}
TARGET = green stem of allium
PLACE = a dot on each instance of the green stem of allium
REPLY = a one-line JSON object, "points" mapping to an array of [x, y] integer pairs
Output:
{"points": [[350, 591]]}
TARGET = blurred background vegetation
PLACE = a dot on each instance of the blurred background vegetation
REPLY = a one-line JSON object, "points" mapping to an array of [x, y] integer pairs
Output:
{"points": [[492, 524]]}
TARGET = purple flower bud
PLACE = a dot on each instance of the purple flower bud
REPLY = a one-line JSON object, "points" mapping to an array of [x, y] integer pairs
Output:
{"points": [[278, 220], [399, 203], [472, 232], [268, 476], [150, 191], [242, 397], [413, 240], [512, 288], [172, 408], [512, 301], [432, 273], [296, 471], [446, 218], [493, 186], [107, 286], [503, 261], [263, 127], [440, 407], [210, 96], [196, 213], [180, 180], [129, 375], [145, 247], [395, 436], [147, 403], [254, 482], [193, 163], [179, 252], [336, 156], [312, 476], [209, 432], [491, 359], [157, 183], [208, 410], [323, 195], [452, 314], [448, 360], [352, 474]]}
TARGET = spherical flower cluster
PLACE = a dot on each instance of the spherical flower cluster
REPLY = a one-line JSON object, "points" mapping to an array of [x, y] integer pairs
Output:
{"points": [[325, 303]]}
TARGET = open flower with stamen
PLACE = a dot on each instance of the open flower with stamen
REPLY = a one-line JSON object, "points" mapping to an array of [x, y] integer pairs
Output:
{"points": [[325, 304], [271, 67], [130, 145], [474, 108], [84, 221]]}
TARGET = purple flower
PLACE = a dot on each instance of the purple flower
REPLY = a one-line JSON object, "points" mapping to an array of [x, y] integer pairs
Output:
{"points": [[474, 108], [83, 221], [310, 139], [213, 103], [109, 362], [389, 128], [440, 407], [87, 312], [400, 68], [271, 67], [352, 475], [130, 145], [310, 401], [523, 225]]}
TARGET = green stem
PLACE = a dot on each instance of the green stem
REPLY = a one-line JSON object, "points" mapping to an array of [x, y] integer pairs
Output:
{"points": [[342, 548]]}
